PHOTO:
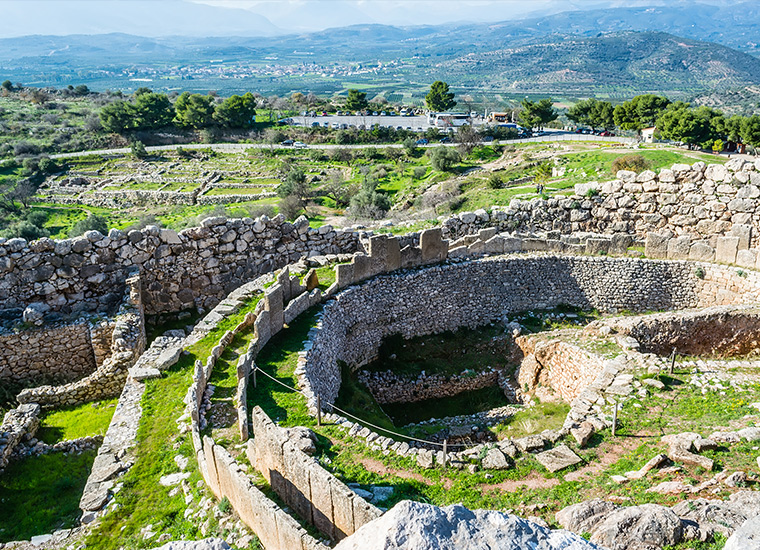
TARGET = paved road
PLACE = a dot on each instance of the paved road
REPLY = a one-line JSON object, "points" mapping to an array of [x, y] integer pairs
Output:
{"points": [[237, 147]]}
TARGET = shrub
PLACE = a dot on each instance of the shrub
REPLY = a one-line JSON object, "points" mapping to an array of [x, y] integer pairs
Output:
{"points": [[224, 506], [48, 166], [593, 192], [494, 181], [138, 149], [37, 218], [90, 223], [634, 163], [290, 207], [444, 158], [419, 172], [25, 230]]}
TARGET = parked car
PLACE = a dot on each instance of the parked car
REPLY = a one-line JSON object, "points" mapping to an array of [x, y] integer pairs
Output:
{"points": [[300, 145], [445, 139], [422, 141], [607, 134], [287, 142]]}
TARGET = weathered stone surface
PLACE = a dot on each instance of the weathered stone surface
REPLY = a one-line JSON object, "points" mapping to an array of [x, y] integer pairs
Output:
{"points": [[585, 516], [558, 458], [426, 527], [495, 459], [583, 433], [746, 537], [638, 528]]}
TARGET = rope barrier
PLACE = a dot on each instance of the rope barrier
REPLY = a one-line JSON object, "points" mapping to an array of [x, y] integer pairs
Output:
{"points": [[363, 422]]}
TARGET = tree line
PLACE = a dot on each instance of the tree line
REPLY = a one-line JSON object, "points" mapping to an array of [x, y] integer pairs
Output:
{"points": [[677, 121]]}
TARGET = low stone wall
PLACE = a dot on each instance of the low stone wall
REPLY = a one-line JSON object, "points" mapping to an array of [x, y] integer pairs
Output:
{"points": [[387, 387], [717, 331], [127, 343], [17, 424], [231, 198], [62, 352], [314, 493], [197, 267]]}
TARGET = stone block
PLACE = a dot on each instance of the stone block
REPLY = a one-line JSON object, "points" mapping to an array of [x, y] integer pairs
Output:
{"points": [[411, 256], [656, 246], [434, 248], [344, 275], [273, 302], [486, 233], [385, 252], [558, 458], [596, 247], [534, 245], [362, 268], [746, 258], [701, 252], [512, 244], [726, 250], [744, 232], [343, 508], [494, 245], [619, 244], [679, 248]]}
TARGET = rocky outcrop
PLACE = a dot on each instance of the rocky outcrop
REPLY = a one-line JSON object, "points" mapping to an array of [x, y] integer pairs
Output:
{"points": [[418, 526]]}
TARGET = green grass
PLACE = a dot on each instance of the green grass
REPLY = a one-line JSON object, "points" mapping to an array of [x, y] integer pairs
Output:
{"points": [[278, 359], [75, 422], [534, 419], [41, 494], [142, 500]]}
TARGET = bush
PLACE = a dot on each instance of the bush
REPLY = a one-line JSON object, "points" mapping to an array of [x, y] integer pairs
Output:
{"points": [[224, 506], [444, 158], [142, 222], [138, 149], [90, 223], [291, 207], [25, 230], [419, 172], [494, 181], [48, 166], [634, 163], [37, 218]]}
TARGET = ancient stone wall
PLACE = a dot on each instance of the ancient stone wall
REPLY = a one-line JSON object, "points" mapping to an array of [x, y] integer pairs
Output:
{"points": [[388, 387], [565, 368], [471, 294], [196, 267], [17, 424], [314, 493], [701, 201], [127, 343], [61, 352], [724, 331]]}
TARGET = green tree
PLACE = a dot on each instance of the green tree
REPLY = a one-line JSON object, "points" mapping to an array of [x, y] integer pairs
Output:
{"points": [[194, 110], [640, 112], [237, 111], [717, 146], [691, 126], [732, 128], [356, 101], [7, 85], [751, 130], [152, 110], [439, 98], [117, 117], [592, 112], [536, 114], [368, 203], [444, 158]]}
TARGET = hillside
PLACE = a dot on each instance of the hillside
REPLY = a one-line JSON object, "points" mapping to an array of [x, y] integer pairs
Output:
{"points": [[390, 60]]}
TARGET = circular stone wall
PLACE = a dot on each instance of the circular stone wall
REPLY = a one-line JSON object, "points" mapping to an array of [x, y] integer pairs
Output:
{"points": [[472, 294]]}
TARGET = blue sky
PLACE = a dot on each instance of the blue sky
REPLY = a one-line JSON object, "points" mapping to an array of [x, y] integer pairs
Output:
{"points": [[267, 17]]}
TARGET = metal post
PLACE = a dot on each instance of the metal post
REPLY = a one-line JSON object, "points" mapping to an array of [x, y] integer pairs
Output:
{"points": [[255, 368], [319, 411], [673, 361], [614, 419], [445, 445]]}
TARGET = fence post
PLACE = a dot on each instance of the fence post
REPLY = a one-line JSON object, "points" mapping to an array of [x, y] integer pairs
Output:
{"points": [[319, 411]]}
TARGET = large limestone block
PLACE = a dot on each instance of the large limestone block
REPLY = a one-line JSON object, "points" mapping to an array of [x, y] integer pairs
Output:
{"points": [[420, 526], [656, 246], [434, 248], [679, 248], [746, 258], [558, 458], [726, 249]]}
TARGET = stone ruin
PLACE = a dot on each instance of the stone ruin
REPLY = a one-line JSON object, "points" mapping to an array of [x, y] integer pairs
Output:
{"points": [[532, 255]]}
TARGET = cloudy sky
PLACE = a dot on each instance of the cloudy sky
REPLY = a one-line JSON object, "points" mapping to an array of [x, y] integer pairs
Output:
{"points": [[267, 17]]}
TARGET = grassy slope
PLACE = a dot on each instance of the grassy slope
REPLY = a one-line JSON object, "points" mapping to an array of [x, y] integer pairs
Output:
{"points": [[74, 422]]}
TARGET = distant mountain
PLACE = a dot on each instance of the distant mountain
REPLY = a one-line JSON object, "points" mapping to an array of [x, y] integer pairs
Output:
{"points": [[496, 58]]}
